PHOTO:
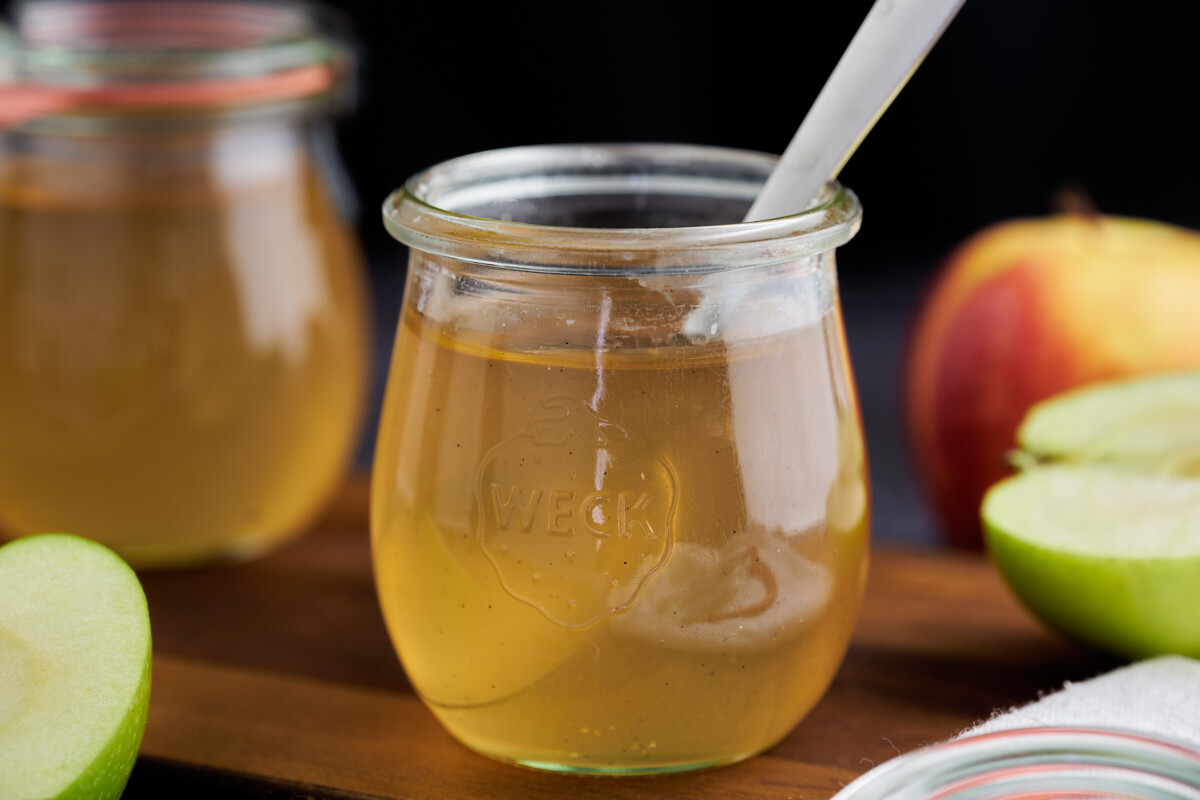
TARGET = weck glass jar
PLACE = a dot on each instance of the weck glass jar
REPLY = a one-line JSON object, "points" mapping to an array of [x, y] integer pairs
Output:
{"points": [[620, 506], [182, 311]]}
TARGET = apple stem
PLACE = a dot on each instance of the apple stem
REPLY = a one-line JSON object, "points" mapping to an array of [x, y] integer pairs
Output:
{"points": [[1075, 200]]}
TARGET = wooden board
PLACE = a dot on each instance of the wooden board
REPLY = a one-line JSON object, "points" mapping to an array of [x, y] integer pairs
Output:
{"points": [[276, 679]]}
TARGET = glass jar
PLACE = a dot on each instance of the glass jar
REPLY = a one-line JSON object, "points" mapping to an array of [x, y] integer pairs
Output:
{"points": [[182, 308], [619, 510], [1037, 763]]}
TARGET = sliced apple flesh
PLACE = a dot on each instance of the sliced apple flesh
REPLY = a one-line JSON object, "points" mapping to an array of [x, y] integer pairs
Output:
{"points": [[1107, 556], [1099, 534], [75, 661], [1149, 424]]}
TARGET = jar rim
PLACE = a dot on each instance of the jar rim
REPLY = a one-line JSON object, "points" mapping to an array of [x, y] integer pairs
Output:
{"points": [[430, 212], [84, 56], [1051, 761]]}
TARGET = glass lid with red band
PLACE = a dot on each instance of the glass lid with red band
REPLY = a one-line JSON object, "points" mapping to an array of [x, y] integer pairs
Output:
{"points": [[130, 56]]}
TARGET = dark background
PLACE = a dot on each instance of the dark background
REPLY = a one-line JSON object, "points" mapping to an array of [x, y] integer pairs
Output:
{"points": [[1019, 100]]}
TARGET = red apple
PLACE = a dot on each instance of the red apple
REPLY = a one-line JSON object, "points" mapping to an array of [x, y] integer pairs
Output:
{"points": [[1025, 310]]}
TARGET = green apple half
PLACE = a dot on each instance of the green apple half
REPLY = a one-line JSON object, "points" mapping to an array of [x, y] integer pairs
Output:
{"points": [[1099, 535], [75, 667]]}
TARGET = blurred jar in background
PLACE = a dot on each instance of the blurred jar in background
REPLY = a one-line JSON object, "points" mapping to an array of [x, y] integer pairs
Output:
{"points": [[182, 310]]}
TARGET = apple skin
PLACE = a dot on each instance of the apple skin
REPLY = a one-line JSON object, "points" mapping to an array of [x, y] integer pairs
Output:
{"points": [[1137, 608], [1025, 310], [78, 581]]}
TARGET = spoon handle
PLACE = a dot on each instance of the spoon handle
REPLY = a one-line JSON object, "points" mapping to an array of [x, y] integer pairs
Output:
{"points": [[884, 53]]}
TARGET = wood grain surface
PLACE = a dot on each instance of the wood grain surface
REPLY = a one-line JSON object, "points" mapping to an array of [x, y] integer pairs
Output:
{"points": [[276, 679]]}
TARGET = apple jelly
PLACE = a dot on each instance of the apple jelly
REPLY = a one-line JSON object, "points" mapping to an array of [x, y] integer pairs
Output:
{"points": [[182, 310]]}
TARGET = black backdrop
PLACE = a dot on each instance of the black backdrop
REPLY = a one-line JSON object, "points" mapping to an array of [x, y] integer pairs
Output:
{"points": [[1019, 99]]}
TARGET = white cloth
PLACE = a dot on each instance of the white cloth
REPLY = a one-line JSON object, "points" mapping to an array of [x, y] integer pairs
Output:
{"points": [[1159, 696]]}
